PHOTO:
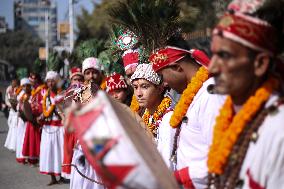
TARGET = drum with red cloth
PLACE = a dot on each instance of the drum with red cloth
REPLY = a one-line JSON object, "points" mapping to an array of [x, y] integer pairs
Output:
{"points": [[117, 147]]}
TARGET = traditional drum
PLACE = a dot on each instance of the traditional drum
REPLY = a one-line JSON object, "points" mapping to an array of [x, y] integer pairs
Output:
{"points": [[118, 148]]}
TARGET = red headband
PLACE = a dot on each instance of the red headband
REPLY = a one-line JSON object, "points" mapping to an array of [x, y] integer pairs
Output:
{"points": [[169, 55], [75, 71], [250, 32]]}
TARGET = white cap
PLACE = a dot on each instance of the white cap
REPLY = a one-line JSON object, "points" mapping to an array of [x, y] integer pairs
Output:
{"points": [[91, 62], [51, 75], [145, 71], [25, 81]]}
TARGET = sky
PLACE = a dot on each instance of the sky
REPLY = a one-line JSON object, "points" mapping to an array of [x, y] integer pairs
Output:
{"points": [[6, 9]]}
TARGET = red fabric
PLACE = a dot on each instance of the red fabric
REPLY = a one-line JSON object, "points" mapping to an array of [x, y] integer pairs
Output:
{"points": [[69, 143], [250, 30], [130, 58], [252, 183], [55, 123], [200, 57], [169, 55], [115, 81], [75, 71], [53, 174], [33, 161], [21, 160], [31, 146], [119, 172], [182, 177], [36, 104]]}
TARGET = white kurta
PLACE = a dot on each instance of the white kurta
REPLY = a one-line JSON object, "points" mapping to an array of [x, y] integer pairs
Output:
{"points": [[11, 140], [77, 181], [196, 134], [264, 161], [165, 139], [51, 146], [21, 130]]}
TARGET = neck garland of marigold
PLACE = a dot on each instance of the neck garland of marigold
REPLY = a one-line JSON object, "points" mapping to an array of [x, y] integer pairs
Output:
{"points": [[38, 89], [157, 115], [18, 90], [187, 96], [24, 97], [134, 106], [228, 126], [48, 112], [103, 84]]}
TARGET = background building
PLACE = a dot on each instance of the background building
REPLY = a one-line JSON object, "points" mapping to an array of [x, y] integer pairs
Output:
{"points": [[34, 16], [3, 25]]}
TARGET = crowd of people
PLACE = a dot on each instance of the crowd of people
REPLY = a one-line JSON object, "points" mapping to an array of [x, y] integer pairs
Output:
{"points": [[224, 130]]}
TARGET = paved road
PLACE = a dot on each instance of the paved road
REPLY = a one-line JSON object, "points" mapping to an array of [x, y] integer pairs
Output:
{"points": [[16, 176]]}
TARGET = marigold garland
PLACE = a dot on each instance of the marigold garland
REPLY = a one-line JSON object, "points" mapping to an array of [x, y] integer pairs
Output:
{"points": [[38, 89], [187, 96], [228, 127], [48, 112], [24, 97], [157, 115], [19, 89], [103, 84], [134, 106]]}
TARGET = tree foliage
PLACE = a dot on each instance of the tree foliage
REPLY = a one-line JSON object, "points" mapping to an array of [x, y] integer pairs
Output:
{"points": [[19, 48], [87, 48], [38, 66], [96, 24], [22, 72], [54, 62]]}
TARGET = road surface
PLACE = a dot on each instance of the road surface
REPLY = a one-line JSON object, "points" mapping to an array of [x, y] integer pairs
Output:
{"points": [[17, 176]]}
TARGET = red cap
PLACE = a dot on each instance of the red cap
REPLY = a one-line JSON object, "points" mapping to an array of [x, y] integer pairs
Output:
{"points": [[75, 71], [115, 81], [130, 58], [248, 31], [169, 55]]}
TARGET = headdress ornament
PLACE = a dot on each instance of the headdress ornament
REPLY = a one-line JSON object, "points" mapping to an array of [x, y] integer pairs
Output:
{"points": [[91, 62], [115, 81], [25, 81], [169, 55], [152, 21], [145, 71], [238, 25], [75, 71], [51, 75]]}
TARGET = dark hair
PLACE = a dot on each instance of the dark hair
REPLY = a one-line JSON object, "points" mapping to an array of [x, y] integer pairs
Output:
{"points": [[178, 41], [273, 13], [37, 77]]}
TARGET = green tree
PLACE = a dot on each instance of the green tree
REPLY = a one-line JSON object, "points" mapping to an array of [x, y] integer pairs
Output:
{"points": [[38, 66], [88, 48], [96, 24], [54, 62], [19, 48]]}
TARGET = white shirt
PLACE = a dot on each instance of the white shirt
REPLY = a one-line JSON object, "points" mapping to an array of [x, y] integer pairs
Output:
{"points": [[196, 134], [264, 161], [165, 139]]}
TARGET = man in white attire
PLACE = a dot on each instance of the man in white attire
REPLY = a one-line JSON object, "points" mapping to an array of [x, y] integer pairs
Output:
{"points": [[248, 143]]}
